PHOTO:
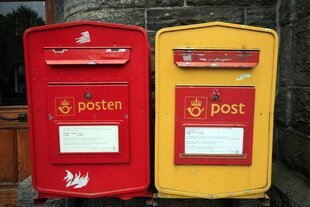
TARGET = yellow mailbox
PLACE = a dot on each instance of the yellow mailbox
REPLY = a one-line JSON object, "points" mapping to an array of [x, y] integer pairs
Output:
{"points": [[215, 89]]}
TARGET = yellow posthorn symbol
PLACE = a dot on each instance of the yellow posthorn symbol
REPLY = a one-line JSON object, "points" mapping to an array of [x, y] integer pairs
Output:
{"points": [[195, 110], [65, 107]]}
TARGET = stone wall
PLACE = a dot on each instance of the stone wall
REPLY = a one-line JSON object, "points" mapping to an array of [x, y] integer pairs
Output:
{"points": [[292, 105], [291, 174]]}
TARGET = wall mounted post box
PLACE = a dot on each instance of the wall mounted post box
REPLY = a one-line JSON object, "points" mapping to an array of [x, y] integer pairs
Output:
{"points": [[88, 98], [215, 88]]}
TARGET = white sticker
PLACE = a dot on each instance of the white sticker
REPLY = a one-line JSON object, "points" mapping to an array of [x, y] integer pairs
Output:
{"points": [[116, 50], [85, 37], [88, 138], [243, 76], [214, 140], [77, 180]]}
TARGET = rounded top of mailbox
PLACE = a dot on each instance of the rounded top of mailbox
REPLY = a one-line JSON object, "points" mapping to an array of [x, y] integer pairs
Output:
{"points": [[86, 35], [219, 24], [85, 23]]}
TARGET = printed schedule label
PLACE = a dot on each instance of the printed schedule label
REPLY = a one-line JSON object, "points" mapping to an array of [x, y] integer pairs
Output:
{"points": [[89, 138], [214, 140]]}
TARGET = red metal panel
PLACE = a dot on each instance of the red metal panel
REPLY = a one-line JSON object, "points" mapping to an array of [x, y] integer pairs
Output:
{"points": [[67, 106], [107, 102], [210, 108], [216, 58], [86, 56]]}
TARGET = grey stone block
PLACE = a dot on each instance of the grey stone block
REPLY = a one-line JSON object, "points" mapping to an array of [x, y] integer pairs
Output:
{"points": [[74, 6], [55, 202], [286, 67], [288, 189], [163, 3], [295, 151], [287, 12], [302, 8], [261, 17], [232, 2], [153, 72], [301, 78], [283, 106], [301, 53], [250, 203], [25, 193], [278, 133], [168, 17], [26, 196], [151, 36], [59, 11], [293, 11], [121, 16], [79, 6], [301, 110]]}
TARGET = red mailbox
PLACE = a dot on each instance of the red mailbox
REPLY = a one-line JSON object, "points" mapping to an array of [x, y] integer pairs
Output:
{"points": [[88, 98]]}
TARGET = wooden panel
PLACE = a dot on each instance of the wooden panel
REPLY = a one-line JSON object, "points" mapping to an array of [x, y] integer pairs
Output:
{"points": [[49, 11], [23, 154], [8, 197], [12, 112], [14, 153], [8, 160]]}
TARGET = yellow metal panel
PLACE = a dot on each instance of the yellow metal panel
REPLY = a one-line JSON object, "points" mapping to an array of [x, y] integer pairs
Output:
{"points": [[258, 195], [207, 181]]}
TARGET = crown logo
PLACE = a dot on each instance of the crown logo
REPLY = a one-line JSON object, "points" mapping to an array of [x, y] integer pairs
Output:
{"points": [[196, 108], [65, 102], [65, 107], [196, 103]]}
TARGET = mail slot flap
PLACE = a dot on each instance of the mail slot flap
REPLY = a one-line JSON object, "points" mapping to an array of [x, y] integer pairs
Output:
{"points": [[216, 58], [86, 56]]}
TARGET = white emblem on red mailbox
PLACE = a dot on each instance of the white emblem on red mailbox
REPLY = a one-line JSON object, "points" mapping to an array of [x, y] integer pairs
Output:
{"points": [[76, 180], [84, 38]]}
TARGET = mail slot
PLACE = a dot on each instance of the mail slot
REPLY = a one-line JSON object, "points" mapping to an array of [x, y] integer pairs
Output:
{"points": [[88, 100], [215, 86]]}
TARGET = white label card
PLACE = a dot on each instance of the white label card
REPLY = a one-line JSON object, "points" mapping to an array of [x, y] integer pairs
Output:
{"points": [[88, 138], [214, 140]]}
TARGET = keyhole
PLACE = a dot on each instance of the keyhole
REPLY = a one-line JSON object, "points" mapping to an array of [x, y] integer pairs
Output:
{"points": [[87, 95], [215, 97]]}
